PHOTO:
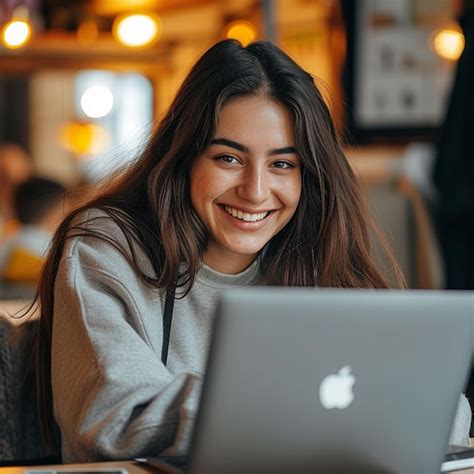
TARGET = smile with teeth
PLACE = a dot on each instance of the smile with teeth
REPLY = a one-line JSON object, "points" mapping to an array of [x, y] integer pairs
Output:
{"points": [[245, 216]]}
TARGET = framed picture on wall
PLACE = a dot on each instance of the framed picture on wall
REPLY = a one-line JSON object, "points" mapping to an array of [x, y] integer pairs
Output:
{"points": [[395, 82]]}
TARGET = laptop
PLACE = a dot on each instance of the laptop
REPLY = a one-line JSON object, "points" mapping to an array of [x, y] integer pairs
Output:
{"points": [[324, 380]]}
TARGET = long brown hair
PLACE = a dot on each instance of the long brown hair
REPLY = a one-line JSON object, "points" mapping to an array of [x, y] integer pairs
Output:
{"points": [[325, 244]]}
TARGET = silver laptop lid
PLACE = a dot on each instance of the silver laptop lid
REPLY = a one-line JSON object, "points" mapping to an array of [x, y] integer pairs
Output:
{"points": [[309, 380]]}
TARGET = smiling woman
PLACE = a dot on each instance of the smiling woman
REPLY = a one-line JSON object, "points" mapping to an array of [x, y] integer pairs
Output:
{"points": [[246, 186], [243, 183]]}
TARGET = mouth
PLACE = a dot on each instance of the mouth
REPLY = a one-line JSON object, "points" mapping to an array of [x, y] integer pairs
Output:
{"points": [[246, 216]]}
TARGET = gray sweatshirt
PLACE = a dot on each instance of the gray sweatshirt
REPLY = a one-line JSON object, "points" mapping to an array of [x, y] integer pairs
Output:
{"points": [[113, 397]]}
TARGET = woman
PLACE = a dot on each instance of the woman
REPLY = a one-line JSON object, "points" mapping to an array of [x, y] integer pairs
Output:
{"points": [[244, 182]]}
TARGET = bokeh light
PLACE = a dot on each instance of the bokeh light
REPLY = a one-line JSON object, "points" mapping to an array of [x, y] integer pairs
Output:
{"points": [[241, 30], [84, 138], [16, 33], [449, 43], [97, 101], [136, 30]]}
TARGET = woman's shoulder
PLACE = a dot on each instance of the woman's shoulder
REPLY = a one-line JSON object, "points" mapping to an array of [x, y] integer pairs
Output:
{"points": [[97, 219], [99, 256], [103, 235]]}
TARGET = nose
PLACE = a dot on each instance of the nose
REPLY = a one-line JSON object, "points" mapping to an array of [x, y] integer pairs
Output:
{"points": [[255, 185]]}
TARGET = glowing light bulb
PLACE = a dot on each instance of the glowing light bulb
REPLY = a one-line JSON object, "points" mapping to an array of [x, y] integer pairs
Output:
{"points": [[449, 43], [97, 101], [16, 33], [242, 31], [137, 30]]}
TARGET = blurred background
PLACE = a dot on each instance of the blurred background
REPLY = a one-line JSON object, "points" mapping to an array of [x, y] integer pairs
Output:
{"points": [[82, 83]]}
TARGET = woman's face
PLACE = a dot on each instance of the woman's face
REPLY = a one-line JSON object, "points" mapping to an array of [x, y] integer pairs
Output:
{"points": [[246, 186]]}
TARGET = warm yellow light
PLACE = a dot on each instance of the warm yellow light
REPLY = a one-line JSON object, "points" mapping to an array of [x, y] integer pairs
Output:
{"points": [[242, 31], [113, 7], [97, 101], [449, 43], [16, 33], [84, 138], [136, 30]]}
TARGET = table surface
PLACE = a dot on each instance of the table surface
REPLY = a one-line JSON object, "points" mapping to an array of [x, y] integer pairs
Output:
{"points": [[131, 466]]}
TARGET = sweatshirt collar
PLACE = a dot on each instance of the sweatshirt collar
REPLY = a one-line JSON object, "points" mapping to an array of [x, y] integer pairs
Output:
{"points": [[212, 277]]}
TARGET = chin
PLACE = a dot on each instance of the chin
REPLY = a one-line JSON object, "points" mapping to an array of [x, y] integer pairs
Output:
{"points": [[247, 252], [240, 247]]}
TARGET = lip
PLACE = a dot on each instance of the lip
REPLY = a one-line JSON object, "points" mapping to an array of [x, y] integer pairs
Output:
{"points": [[243, 225]]}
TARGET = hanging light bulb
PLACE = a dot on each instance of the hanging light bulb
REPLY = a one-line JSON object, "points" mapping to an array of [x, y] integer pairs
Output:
{"points": [[16, 33], [136, 30]]}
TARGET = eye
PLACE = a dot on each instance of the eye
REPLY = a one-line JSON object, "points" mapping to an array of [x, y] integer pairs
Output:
{"points": [[280, 164], [227, 159]]}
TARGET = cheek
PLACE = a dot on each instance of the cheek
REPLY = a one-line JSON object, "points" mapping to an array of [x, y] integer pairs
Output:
{"points": [[196, 194], [203, 190], [290, 193], [205, 187], [199, 181], [210, 186]]}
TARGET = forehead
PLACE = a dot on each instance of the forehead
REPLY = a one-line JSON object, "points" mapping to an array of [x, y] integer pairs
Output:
{"points": [[255, 118]]}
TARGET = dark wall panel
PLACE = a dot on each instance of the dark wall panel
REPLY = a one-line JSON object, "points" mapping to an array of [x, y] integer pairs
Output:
{"points": [[14, 110]]}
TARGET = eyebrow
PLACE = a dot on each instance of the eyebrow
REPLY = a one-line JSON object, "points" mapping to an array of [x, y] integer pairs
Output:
{"points": [[238, 146]]}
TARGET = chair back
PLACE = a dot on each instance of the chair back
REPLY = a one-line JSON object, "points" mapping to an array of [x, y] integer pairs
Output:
{"points": [[20, 433]]}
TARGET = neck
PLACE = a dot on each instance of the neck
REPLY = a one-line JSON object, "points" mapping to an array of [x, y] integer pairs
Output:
{"points": [[230, 265]]}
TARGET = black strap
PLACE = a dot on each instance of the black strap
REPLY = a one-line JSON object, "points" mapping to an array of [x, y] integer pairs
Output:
{"points": [[167, 318]]}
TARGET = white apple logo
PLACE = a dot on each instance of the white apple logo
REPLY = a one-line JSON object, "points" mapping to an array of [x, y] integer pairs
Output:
{"points": [[335, 390]]}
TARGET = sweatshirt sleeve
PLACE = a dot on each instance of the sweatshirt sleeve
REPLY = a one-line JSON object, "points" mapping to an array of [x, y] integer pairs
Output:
{"points": [[462, 423], [113, 397]]}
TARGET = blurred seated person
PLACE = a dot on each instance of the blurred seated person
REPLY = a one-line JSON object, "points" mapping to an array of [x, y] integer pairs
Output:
{"points": [[38, 205], [15, 168]]}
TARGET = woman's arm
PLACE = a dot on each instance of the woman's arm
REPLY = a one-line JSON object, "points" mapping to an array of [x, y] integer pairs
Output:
{"points": [[113, 397]]}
